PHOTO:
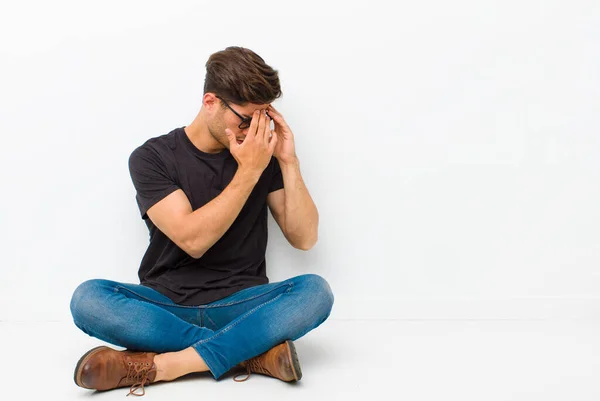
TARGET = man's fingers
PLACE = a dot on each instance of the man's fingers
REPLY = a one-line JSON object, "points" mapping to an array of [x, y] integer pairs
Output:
{"points": [[277, 117], [260, 132], [273, 142], [232, 140], [254, 124], [273, 111], [263, 126], [267, 133]]}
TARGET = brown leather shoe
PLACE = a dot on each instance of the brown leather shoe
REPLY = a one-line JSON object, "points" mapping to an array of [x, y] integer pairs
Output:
{"points": [[103, 368], [280, 361]]}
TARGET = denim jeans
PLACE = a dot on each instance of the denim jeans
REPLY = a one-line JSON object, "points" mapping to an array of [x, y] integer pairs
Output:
{"points": [[224, 332]]}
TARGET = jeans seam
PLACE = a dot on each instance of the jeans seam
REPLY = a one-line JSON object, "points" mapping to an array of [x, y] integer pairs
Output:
{"points": [[117, 287], [250, 312], [211, 321], [291, 284]]}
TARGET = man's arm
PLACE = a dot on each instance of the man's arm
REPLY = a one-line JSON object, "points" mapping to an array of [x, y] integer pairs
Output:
{"points": [[196, 231], [293, 208]]}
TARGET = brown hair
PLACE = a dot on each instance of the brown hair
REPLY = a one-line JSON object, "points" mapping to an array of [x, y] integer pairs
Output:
{"points": [[241, 76]]}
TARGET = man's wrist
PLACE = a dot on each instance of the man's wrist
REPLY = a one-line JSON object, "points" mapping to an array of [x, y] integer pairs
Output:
{"points": [[294, 162], [248, 175]]}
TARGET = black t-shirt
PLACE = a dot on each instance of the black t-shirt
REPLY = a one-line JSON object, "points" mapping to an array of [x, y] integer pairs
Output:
{"points": [[237, 260]]}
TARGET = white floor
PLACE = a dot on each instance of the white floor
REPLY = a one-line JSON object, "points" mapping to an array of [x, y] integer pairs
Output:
{"points": [[437, 360]]}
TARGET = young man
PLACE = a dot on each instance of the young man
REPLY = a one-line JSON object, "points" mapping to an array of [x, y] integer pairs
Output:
{"points": [[204, 302]]}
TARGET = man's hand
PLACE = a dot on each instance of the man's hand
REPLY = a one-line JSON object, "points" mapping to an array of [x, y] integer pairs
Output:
{"points": [[285, 150], [254, 154]]}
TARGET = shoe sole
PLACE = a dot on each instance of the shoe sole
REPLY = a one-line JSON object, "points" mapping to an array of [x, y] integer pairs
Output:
{"points": [[82, 361], [294, 358]]}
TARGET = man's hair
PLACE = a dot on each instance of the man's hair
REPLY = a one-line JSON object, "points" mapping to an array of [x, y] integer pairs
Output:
{"points": [[241, 76]]}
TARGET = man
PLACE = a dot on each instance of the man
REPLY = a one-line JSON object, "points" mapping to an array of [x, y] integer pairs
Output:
{"points": [[204, 302]]}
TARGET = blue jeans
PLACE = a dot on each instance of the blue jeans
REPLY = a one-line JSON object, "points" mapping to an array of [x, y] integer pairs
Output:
{"points": [[224, 332]]}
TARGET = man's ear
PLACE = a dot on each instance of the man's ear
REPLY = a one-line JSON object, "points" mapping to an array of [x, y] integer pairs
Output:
{"points": [[210, 102]]}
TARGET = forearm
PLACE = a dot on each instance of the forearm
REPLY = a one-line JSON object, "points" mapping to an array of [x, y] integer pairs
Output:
{"points": [[301, 221], [210, 222]]}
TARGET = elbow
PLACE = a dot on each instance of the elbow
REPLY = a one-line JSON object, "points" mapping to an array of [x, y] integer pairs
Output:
{"points": [[196, 253], [310, 240], [193, 250], [306, 242], [305, 246]]}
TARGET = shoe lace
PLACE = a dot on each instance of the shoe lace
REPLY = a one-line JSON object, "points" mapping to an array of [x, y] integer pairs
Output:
{"points": [[137, 373], [252, 365]]}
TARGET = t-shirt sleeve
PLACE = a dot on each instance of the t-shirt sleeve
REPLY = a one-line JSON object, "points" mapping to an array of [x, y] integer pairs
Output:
{"points": [[277, 178], [150, 177]]}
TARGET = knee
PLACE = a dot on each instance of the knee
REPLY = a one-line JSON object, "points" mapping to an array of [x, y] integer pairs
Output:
{"points": [[318, 293], [84, 299]]}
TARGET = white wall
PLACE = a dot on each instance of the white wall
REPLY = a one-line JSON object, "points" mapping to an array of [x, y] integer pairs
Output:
{"points": [[451, 147]]}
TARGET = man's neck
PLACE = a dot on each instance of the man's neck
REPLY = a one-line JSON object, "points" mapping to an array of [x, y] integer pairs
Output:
{"points": [[199, 135]]}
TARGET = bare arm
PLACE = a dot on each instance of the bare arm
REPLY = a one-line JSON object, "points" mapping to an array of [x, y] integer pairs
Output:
{"points": [[294, 210], [292, 207], [209, 223], [197, 231]]}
